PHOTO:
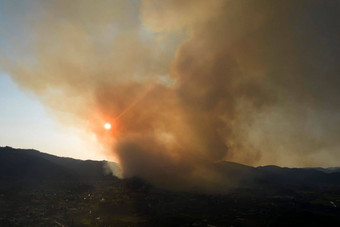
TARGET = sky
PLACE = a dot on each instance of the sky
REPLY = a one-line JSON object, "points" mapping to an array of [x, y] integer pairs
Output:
{"points": [[25, 123], [184, 84]]}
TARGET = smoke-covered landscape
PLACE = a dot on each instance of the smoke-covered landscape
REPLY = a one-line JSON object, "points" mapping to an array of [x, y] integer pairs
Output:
{"points": [[38, 189], [208, 113]]}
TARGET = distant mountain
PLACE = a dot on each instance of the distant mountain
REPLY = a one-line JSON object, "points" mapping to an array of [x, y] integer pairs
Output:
{"points": [[276, 178], [328, 170], [296, 178], [32, 165]]}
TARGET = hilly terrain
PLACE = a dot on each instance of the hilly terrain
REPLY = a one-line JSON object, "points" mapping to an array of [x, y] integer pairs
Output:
{"points": [[32, 165], [38, 189]]}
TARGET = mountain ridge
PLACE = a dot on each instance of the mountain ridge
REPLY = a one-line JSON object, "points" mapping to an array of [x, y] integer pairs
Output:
{"points": [[33, 165], [30, 164]]}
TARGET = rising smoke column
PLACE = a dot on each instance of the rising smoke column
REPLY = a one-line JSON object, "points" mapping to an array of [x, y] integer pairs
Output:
{"points": [[187, 84]]}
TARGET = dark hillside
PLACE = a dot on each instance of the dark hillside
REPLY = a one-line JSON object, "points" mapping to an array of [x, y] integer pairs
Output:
{"points": [[32, 165], [38, 189]]}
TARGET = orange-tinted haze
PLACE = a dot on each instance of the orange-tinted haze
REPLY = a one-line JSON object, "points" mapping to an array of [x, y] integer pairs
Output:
{"points": [[186, 84]]}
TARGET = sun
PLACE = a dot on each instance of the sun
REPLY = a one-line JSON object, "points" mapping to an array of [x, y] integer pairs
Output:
{"points": [[107, 126]]}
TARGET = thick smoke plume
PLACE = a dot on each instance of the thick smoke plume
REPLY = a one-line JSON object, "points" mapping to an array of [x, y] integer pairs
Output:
{"points": [[185, 84]]}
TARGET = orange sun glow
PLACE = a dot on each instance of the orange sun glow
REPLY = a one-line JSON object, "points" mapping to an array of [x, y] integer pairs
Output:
{"points": [[107, 126]]}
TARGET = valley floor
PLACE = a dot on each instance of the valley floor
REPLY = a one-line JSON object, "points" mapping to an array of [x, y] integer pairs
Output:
{"points": [[134, 203]]}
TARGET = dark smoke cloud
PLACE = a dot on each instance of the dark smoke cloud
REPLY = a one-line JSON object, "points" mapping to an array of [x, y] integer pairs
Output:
{"points": [[187, 83]]}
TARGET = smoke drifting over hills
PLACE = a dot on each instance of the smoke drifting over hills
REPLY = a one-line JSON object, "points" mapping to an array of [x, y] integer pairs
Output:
{"points": [[186, 84]]}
